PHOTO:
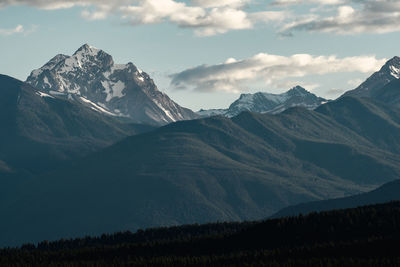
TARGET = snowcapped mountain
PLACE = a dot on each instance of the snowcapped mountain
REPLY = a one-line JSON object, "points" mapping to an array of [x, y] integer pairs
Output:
{"points": [[388, 73], [268, 103], [91, 77]]}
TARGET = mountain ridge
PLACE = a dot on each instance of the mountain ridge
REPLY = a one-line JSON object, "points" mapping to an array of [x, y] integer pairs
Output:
{"points": [[385, 193], [389, 72], [91, 77], [213, 169], [262, 102]]}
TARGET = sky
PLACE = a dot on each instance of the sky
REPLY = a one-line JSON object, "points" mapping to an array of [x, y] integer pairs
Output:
{"points": [[205, 53]]}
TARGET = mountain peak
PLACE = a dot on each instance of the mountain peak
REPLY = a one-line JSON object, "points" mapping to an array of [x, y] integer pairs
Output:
{"points": [[262, 102], [87, 49], [394, 59], [91, 77], [298, 90], [394, 67], [389, 72]]}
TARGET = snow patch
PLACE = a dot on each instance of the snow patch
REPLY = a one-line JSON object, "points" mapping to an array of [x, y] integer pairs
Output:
{"points": [[113, 89], [119, 67], [395, 72], [117, 88], [56, 93], [97, 107], [169, 115], [46, 81], [41, 94]]}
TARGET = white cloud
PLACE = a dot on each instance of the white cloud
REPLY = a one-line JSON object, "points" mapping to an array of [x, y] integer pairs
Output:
{"points": [[204, 21], [205, 17], [335, 92], [211, 17], [353, 17], [273, 70], [298, 2], [220, 3], [354, 82], [17, 29], [270, 16]]}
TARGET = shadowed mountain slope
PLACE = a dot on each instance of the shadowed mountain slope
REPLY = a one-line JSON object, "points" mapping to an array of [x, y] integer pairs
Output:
{"points": [[39, 130], [387, 192], [214, 169]]}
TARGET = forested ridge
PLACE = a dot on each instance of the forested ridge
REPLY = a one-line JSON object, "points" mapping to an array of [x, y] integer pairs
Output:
{"points": [[364, 236]]}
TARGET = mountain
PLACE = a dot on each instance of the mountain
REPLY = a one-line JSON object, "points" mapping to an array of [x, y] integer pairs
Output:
{"points": [[388, 73], [39, 130], [376, 122], [268, 103], [204, 113], [387, 192], [214, 169], [91, 77], [389, 94]]}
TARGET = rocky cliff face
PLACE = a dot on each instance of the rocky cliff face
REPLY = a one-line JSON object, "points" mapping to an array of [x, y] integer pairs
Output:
{"points": [[91, 77]]}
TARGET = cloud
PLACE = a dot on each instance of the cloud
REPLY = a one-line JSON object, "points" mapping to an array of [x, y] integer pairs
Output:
{"points": [[43, 4], [354, 82], [17, 29], [274, 70], [220, 3], [270, 16], [206, 22], [334, 92], [210, 17], [298, 2], [354, 17], [205, 17]]}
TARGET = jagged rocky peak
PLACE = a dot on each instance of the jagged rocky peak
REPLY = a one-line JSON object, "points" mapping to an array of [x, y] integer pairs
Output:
{"points": [[91, 77], [298, 90], [388, 73], [88, 49], [92, 56], [394, 67], [262, 102]]}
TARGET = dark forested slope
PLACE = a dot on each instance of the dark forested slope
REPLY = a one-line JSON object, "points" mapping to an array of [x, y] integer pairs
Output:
{"points": [[364, 236]]}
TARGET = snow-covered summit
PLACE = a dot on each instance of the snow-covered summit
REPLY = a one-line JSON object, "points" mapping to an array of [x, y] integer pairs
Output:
{"points": [[388, 73], [91, 77], [88, 49], [262, 102]]}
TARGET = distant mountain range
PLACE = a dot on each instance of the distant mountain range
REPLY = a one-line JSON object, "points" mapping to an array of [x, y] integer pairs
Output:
{"points": [[213, 169], [268, 103], [72, 163], [90, 77], [377, 87]]}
